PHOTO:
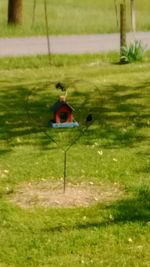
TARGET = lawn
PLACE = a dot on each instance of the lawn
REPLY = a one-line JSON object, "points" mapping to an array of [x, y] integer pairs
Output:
{"points": [[113, 151], [74, 17]]}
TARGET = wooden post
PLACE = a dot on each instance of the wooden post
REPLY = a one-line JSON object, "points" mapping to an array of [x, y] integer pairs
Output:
{"points": [[133, 20], [122, 28]]}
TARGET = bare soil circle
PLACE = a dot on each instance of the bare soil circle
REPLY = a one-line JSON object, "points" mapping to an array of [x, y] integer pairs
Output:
{"points": [[48, 194]]}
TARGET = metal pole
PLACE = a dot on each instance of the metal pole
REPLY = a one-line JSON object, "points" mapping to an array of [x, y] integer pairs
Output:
{"points": [[47, 31], [65, 169]]}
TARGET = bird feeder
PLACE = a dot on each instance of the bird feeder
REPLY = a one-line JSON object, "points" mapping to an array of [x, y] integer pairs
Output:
{"points": [[63, 115]]}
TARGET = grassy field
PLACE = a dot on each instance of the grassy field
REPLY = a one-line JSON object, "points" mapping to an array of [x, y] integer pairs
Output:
{"points": [[113, 151], [74, 17]]}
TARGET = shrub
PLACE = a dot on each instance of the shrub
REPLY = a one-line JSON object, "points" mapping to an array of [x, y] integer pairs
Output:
{"points": [[133, 52]]}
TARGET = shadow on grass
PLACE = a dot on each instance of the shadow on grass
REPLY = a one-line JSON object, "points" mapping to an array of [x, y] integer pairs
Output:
{"points": [[130, 210], [17, 128], [134, 209], [119, 114]]}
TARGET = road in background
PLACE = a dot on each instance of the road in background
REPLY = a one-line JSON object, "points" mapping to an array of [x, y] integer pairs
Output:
{"points": [[73, 44]]}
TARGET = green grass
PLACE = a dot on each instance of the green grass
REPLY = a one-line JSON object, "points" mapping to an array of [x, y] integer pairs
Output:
{"points": [[74, 17], [108, 234]]}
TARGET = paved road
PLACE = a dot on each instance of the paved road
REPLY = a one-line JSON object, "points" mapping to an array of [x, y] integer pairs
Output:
{"points": [[74, 44]]}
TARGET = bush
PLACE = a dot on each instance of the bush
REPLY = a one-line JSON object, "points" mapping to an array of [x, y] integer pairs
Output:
{"points": [[133, 52]]}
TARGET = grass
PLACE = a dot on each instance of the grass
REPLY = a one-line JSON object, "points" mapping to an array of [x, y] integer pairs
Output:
{"points": [[74, 17], [108, 234]]}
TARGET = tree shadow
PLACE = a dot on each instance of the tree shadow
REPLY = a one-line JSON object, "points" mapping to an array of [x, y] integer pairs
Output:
{"points": [[129, 210], [119, 114], [135, 209], [17, 127]]}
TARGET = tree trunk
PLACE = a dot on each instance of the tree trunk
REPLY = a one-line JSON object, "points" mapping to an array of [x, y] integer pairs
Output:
{"points": [[122, 25], [15, 11], [122, 30], [133, 22]]}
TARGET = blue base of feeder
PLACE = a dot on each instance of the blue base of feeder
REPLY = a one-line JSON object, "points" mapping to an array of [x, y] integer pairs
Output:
{"points": [[65, 124]]}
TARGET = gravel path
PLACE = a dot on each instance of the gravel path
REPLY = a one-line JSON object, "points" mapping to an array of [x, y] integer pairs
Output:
{"points": [[73, 44]]}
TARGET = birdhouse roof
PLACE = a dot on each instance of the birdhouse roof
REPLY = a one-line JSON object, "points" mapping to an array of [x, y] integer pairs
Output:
{"points": [[59, 104]]}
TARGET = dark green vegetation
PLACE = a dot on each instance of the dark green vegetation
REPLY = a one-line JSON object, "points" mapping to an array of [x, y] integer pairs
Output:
{"points": [[132, 53], [74, 17], [114, 150]]}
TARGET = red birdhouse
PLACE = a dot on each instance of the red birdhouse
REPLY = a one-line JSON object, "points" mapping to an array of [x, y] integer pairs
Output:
{"points": [[63, 115]]}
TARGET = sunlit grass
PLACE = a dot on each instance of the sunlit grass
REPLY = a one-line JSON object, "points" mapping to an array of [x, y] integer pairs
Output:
{"points": [[114, 150], [74, 17]]}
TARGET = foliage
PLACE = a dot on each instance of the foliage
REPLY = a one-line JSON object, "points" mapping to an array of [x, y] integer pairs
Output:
{"points": [[132, 53]]}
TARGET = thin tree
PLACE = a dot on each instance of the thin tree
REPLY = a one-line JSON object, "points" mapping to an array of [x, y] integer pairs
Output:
{"points": [[122, 29], [133, 19], [15, 11]]}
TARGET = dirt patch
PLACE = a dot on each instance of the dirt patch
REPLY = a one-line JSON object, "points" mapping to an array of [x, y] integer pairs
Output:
{"points": [[47, 194]]}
